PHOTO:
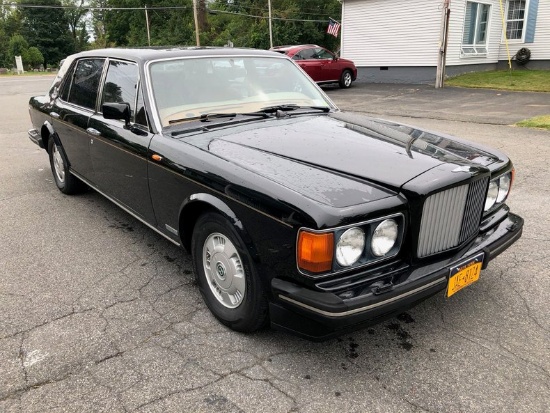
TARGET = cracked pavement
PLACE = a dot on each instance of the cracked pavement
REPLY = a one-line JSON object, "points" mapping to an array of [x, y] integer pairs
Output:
{"points": [[100, 314]]}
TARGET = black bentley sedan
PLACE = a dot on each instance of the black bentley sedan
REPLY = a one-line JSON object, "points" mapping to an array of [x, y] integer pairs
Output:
{"points": [[295, 213]]}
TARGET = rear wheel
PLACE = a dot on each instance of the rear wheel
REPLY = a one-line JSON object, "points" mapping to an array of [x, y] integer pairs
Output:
{"points": [[226, 275], [346, 79], [65, 181]]}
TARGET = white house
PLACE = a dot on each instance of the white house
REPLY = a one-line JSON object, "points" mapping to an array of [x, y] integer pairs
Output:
{"points": [[399, 40]]}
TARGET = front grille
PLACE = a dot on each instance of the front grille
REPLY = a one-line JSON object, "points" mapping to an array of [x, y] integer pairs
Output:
{"points": [[451, 217]]}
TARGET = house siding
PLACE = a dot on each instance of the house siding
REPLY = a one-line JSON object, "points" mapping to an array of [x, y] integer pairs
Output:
{"points": [[378, 33], [540, 46], [398, 40]]}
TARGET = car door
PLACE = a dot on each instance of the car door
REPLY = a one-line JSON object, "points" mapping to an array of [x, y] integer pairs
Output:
{"points": [[307, 61], [329, 67], [72, 110], [119, 149]]}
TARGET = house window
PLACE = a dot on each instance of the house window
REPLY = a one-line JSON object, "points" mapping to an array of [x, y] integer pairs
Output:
{"points": [[515, 19], [476, 27]]}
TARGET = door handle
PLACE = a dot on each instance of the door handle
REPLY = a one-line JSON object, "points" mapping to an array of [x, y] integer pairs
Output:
{"points": [[54, 115], [93, 132]]}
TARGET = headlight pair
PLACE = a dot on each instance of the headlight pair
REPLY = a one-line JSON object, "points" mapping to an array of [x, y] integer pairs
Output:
{"points": [[350, 246], [498, 191], [352, 242]]}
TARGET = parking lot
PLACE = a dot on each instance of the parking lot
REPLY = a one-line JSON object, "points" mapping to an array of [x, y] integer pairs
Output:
{"points": [[98, 313]]}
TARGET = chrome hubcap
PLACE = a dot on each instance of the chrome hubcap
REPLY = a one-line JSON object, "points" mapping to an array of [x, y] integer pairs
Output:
{"points": [[58, 164], [224, 270]]}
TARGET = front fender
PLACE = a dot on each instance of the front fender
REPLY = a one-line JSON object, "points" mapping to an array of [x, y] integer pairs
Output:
{"points": [[197, 204]]}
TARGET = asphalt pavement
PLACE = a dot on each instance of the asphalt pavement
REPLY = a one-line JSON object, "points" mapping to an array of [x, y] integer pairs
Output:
{"points": [[99, 314]]}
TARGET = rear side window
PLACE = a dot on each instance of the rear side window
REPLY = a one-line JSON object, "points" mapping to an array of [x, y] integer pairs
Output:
{"points": [[307, 54], [121, 84], [85, 82]]}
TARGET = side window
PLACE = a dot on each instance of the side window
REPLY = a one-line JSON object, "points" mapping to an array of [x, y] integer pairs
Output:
{"points": [[308, 54], [141, 116], [121, 84], [66, 85], [85, 83], [323, 54]]}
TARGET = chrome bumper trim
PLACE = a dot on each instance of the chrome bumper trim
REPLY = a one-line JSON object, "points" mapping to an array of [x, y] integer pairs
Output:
{"points": [[368, 307]]}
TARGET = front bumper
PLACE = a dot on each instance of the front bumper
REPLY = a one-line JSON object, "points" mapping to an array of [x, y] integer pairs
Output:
{"points": [[319, 315], [35, 136]]}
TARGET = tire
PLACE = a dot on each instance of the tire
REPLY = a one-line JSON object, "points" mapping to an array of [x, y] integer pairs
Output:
{"points": [[226, 276], [65, 181], [346, 79]]}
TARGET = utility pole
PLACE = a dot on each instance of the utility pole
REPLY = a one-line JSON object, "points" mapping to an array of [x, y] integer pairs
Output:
{"points": [[196, 22], [443, 38], [147, 24], [270, 29]]}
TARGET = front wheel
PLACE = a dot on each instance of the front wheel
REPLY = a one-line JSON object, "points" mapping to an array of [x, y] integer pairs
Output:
{"points": [[226, 275], [65, 181], [345, 79]]}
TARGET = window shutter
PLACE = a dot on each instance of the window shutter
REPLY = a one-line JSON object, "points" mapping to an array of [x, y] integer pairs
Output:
{"points": [[531, 21], [470, 23]]}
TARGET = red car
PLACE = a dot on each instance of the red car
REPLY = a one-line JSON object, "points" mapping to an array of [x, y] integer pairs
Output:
{"points": [[320, 64]]}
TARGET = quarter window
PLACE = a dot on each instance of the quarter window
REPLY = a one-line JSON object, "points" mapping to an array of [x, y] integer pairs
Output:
{"points": [[515, 19], [476, 25], [121, 84], [85, 83], [141, 115]]}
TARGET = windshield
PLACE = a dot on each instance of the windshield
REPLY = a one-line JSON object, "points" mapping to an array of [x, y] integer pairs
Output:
{"points": [[186, 89]]}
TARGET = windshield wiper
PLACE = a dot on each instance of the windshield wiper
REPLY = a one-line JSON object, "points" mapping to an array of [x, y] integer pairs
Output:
{"points": [[281, 110], [206, 117]]}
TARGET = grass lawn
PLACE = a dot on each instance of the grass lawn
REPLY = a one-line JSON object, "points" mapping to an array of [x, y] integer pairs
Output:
{"points": [[541, 122], [518, 80]]}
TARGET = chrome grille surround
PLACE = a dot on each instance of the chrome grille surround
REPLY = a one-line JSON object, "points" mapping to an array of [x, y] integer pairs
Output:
{"points": [[451, 217]]}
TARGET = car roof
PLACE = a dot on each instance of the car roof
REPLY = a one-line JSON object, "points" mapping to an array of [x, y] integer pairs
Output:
{"points": [[153, 53], [292, 47]]}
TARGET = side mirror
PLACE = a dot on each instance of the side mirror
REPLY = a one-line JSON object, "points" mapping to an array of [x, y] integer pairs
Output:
{"points": [[119, 111]]}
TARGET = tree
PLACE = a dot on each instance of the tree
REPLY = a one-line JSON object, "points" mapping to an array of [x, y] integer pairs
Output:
{"points": [[17, 46], [98, 24], [245, 23], [48, 29], [34, 57], [75, 13]]}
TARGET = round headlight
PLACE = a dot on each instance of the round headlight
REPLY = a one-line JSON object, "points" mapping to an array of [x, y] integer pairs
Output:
{"points": [[503, 187], [350, 246], [384, 237], [492, 194]]}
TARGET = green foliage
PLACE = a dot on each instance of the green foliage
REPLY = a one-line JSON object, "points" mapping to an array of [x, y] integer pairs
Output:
{"points": [[17, 46], [34, 57], [57, 32], [244, 22], [48, 29], [293, 22]]}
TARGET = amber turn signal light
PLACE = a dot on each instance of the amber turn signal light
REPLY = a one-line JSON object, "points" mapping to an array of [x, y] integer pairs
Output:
{"points": [[315, 251]]}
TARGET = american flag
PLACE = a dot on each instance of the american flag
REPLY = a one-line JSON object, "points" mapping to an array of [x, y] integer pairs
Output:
{"points": [[333, 27]]}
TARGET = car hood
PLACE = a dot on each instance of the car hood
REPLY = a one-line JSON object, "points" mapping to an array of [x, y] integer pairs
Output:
{"points": [[324, 156]]}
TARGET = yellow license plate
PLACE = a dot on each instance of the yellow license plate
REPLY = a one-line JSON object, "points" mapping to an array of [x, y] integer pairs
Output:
{"points": [[464, 274]]}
